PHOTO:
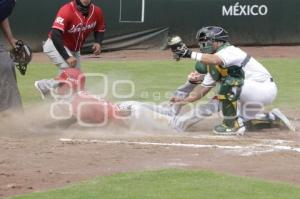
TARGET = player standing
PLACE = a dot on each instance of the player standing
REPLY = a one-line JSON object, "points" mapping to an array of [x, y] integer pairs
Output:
{"points": [[72, 25]]}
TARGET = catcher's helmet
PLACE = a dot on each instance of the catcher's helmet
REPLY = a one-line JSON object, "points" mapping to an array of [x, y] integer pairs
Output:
{"points": [[214, 33], [209, 34]]}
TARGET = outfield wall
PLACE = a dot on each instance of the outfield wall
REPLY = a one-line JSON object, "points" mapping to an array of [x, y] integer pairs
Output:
{"points": [[147, 23]]}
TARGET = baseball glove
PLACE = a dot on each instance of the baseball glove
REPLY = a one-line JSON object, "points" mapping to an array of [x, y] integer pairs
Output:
{"points": [[178, 48], [175, 42], [21, 55]]}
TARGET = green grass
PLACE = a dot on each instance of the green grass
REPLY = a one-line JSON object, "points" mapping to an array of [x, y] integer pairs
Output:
{"points": [[286, 73], [172, 184], [154, 78]]}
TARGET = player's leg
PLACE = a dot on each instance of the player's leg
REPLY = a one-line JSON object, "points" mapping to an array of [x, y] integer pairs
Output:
{"points": [[9, 92], [256, 95], [272, 119], [77, 56], [184, 121], [145, 118], [163, 117], [164, 109], [50, 50], [138, 115], [232, 124], [281, 121], [46, 86], [228, 95]]}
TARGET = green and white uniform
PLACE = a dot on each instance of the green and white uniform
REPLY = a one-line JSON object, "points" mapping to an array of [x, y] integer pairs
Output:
{"points": [[258, 88], [255, 88]]}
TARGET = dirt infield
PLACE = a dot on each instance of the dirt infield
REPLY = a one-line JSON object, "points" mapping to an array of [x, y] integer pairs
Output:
{"points": [[258, 52], [34, 158]]}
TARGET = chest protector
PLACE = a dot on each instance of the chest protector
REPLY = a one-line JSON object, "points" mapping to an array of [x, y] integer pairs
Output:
{"points": [[219, 73]]}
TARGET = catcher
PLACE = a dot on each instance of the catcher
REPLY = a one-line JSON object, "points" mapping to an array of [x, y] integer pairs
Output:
{"points": [[20, 56], [245, 85]]}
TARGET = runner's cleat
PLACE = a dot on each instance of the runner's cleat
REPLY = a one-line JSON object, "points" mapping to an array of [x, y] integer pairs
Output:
{"points": [[282, 119], [43, 93]]}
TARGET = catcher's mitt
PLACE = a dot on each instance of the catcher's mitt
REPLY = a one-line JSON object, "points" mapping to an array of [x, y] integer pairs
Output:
{"points": [[21, 55], [178, 48], [174, 43]]}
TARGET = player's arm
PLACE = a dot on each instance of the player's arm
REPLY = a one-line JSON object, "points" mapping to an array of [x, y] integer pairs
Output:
{"points": [[181, 50], [8, 33], [99, 31], [98, 42], [206, 58], [201, 57], [201, 90], [59, 26], [57, 39], [198, 92], [56, 36]]}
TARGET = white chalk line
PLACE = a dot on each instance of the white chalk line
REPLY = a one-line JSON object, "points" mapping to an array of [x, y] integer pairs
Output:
{"points": [[226, 137], [246, 150]]}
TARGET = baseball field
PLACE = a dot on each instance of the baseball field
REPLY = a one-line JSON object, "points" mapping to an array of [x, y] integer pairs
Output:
{"points": [[116, 162]]}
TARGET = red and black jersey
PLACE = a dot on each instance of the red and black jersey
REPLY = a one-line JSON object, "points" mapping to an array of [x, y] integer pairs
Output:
{"points": [[75, 26]]}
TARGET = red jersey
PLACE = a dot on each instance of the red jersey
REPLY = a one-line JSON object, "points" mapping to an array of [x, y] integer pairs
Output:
{"points": [[75, 26], [71, 81], [90, 109]]}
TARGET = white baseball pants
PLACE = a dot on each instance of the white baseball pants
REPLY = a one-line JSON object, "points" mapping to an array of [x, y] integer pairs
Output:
{"points": [[50, 50]]}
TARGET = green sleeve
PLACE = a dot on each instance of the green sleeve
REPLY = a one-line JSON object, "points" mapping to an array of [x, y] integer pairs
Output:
{"points": [[201, 68]]}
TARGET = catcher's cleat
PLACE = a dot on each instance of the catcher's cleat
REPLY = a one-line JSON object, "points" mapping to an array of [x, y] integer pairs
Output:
{"points": [[222, 129], [44, 93], [282, 119]]}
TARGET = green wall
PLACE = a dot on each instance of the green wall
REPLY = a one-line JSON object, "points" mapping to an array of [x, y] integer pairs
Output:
{"points": [[276, 23]]}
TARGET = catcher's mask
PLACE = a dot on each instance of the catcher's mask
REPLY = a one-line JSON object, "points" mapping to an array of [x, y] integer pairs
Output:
{"points": [[207, 35], [21, 56], [71, 80]]}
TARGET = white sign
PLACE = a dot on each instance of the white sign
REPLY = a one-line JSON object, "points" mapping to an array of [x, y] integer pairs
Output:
{"points": [[244, 10]]}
